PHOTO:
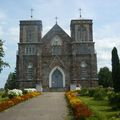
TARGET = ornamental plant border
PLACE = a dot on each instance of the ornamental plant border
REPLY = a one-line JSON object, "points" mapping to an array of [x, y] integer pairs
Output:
{"points": [[16, 100], [80, 110]]}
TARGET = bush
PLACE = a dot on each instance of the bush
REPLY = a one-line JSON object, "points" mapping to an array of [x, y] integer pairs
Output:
{"points": [[29, 90], [14, 93], [99, 95], [83, 92], [114, 100], [91, 92]]}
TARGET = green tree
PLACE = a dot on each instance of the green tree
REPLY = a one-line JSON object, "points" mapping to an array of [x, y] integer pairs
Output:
{"points": [[11, 81], [105, 77], [2, 54], [115, 70]]}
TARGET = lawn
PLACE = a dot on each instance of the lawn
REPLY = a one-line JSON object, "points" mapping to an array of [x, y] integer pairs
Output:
{"points": [[2, 99], [101, 109]]}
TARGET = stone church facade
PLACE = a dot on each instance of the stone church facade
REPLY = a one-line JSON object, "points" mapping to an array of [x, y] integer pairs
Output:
{"points": [[56, 60]]}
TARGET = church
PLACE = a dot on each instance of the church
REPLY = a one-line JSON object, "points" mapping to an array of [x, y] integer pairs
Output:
{"points": [[56, 61]]}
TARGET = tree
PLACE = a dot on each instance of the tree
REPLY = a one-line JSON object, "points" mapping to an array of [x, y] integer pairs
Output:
{"points": [[2, 63], [11, 81], [105, 77], [115, 70]]}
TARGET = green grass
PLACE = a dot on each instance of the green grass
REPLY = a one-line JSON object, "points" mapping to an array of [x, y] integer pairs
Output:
{"points": [[101, 109], [2, 99]]}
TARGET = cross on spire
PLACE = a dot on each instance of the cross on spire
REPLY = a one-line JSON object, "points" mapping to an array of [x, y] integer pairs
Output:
{"points": [[31, 12], [56, 18], [80, 12]]}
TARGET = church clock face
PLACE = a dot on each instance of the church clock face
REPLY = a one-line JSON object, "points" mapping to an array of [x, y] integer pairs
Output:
{"points": [[83, 64]]}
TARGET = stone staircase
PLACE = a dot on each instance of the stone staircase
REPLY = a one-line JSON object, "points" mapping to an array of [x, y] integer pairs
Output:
{"points": [[55, 89]]}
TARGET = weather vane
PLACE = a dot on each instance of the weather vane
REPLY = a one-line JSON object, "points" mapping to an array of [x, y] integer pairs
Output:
{"points": [[80, 12], [56, 18], [31, 13]]}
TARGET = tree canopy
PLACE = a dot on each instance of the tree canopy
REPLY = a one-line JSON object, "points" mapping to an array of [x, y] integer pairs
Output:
{"points": [[2, 54], [105, 77], [11, 81]]}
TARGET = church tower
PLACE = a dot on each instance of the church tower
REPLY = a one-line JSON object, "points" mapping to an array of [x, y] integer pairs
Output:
{"points": [[84, 63], [29, 49]]}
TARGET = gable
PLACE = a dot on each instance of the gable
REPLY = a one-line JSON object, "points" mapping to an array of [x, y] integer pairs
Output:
{"points": [[56, 30]]}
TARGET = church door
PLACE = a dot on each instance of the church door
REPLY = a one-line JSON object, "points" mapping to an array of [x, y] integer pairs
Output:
{"points": [[57, 79]]}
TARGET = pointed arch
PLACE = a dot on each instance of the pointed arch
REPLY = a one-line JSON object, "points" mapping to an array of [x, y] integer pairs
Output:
{"points": [[52, 71]]}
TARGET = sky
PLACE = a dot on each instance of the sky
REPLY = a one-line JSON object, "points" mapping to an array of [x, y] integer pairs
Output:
{"points": [[105, 15]]}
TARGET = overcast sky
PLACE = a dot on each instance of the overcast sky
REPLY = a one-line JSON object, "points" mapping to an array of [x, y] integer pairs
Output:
{"points": [[105, 15]]}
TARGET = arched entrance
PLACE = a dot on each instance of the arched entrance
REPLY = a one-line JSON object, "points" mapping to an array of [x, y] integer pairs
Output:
{"points": [[57, 78]]}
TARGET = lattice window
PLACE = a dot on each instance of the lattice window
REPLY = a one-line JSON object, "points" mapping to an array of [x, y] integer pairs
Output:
{"points": [[30, 50], [30, 72]]}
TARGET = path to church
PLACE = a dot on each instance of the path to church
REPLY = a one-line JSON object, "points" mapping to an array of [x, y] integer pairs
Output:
{"points": [[49, 106]]}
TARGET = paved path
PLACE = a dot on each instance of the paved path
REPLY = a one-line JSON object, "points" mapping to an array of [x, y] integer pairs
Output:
{"points": [[49, 106]]}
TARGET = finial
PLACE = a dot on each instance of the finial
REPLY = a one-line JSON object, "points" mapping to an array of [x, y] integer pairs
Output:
{"points": [[56, 18], [80, 12], [31, 13]]}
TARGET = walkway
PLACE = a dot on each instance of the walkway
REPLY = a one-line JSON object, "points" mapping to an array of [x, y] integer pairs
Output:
{"points": [[49, 106]]}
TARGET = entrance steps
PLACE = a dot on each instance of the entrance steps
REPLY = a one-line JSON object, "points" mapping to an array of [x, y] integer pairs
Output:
{"points": [[54, 89]]}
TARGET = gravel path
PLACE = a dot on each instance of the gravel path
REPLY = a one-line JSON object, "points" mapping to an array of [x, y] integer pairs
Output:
{"points": [[49, 106]]}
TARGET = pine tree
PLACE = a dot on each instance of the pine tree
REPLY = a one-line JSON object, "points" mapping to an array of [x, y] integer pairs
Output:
{"points": [[115, 70]]}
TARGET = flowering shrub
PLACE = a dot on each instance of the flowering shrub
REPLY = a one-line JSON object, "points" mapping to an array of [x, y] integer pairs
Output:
{"points": [[80, 110], [14, 93], [28, 90], [11, 102]]}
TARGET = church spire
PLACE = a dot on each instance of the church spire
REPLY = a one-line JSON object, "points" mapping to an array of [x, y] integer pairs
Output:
{"points": [[31, 12], [56, 19], [80, 10]]}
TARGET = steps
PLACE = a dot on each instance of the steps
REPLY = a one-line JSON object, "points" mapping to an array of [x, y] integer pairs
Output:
{"points": [[54, 89]]}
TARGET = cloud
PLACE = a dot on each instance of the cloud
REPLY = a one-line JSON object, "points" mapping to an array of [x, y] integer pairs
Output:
{"points": [[106, 37], [13, 33]]}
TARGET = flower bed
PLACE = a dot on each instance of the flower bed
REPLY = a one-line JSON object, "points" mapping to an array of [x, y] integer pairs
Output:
{"points": [[11, 102], [14, 93], [80, 110]]}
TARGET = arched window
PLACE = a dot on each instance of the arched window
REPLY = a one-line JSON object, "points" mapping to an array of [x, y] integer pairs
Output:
{"points": [[56, 46], [30, 72]]}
